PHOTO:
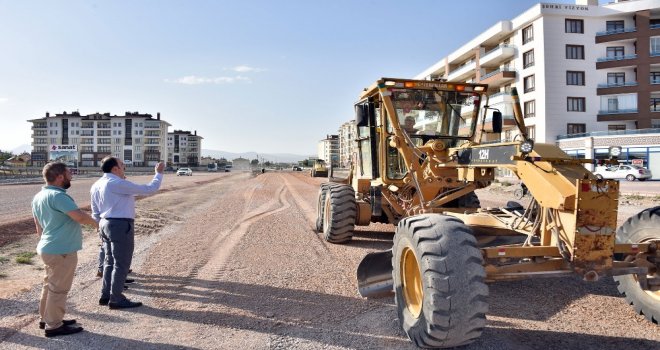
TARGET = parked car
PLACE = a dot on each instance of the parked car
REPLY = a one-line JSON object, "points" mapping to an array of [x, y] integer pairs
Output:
{"points": [[628, 172], [296, 168], [169, 168], [184, 171]]}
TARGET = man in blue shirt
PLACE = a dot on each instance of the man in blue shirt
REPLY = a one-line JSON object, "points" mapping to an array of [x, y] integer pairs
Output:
{"points": [[57, 219], [113, 207]]}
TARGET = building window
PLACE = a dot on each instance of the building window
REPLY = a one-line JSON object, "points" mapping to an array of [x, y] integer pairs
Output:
{"points": [[575, 104], [612, 104], [616, 79], [655, 104], [576, 128], [616, 127], [528, 34], [614, 26], [531, 132], [655, 46], [529, 83], [528, 59], [615, 51], [575, 52], [655, 77], [574, 78], [530, 109], [574, 26]]}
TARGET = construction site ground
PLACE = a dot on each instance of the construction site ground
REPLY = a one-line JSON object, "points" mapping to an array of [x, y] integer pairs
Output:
{"points": [[231, 261]]}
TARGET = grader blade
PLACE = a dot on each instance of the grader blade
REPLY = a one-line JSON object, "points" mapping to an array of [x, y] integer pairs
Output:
{"points": [[374, 275]]}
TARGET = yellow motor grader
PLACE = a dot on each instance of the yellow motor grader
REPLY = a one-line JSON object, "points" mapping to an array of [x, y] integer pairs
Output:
{"points": [[421, 154]]}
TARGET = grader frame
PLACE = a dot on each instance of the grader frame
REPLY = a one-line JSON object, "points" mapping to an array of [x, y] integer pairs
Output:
{"points": [[422, 178]]}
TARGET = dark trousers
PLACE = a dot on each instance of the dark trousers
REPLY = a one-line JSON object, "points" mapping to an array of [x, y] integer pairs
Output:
{"points": [[118, 242]]}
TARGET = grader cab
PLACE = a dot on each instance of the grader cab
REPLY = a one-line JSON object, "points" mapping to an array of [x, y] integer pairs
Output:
{"points": [[420, 157]]}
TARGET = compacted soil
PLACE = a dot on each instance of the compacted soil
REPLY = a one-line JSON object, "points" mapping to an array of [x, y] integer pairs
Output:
{"points": [[231, 261]]}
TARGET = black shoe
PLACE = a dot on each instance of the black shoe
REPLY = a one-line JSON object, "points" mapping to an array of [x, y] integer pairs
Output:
{"points": [[63, 330], [125, 287], [129, 280], [42, 324], [124, 304], [104, 301]]}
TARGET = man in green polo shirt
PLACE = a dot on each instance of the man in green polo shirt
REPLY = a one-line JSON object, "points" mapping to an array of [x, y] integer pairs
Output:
{"points": [[58, 219]]}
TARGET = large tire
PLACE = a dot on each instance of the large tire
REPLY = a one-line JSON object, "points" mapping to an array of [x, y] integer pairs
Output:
{"points": [[339, 214], [641, 228], [438, 273], [320, 206]]}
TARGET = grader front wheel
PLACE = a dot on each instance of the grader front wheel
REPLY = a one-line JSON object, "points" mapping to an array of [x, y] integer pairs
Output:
{"points": [[439, 285], [641, 228], [339, 213]]}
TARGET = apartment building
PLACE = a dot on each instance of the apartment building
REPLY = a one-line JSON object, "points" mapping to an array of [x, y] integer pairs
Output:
{"points": [[585, 73], [84, 140], [184, 148], [328, 150], [347, 134]]}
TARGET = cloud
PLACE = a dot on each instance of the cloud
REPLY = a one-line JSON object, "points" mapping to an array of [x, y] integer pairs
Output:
{"points": [[246, 69], [195, 80], [3, 99]]}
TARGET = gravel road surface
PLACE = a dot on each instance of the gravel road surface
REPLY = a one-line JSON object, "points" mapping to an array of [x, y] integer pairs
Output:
{"points": [[230, 261]]}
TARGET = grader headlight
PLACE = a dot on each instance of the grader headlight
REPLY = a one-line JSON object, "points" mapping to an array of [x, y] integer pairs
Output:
{"points": [[527, 146]]}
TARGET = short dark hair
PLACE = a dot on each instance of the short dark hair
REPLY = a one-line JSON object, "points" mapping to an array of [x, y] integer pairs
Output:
{"points": [[52, 170], [108, 163]]}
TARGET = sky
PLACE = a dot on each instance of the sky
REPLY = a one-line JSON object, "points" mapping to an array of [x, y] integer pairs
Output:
{"points": [[269, 76]]}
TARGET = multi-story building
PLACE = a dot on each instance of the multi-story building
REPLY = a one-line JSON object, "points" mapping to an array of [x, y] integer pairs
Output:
{"points": [[184, 148], [328, 150], [138, 139], [347, 145], [585, 75]]}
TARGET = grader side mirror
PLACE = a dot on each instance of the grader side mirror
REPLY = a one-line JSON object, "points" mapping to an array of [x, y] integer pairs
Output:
{"points": [[361, 115], [364, 114], [496, 121]]}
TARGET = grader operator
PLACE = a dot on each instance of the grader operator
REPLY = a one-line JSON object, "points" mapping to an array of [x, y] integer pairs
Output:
{"points": [[421, 154]]}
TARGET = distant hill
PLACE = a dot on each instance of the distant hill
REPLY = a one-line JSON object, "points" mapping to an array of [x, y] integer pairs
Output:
{"points": [[22, 148], [272, 157]]}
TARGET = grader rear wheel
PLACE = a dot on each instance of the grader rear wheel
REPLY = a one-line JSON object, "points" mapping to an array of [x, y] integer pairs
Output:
{"points": [[339, 213], [320, 206], [641, 228], [438, 274]]}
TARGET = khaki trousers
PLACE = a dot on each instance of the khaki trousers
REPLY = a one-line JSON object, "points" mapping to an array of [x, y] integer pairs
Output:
{"points": [[57, 283]]}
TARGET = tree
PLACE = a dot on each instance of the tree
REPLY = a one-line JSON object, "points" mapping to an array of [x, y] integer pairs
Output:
{"points": [[5, 155], [254, 162]]}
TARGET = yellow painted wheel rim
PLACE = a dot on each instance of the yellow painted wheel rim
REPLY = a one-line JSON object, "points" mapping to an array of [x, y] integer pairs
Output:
{"points": [[411, 278]]}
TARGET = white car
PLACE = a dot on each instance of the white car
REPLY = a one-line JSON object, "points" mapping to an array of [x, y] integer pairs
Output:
{"points": [[184, 171], [628, 172]]}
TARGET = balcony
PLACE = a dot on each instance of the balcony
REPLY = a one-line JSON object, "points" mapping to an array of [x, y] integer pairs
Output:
{"points": [[498, 77], [497, 55], [616, 35], [463, 72], [610, 133], [617, 115], [616, 61], [616, 88], [152, 126], [39, 126], [616, 58]]}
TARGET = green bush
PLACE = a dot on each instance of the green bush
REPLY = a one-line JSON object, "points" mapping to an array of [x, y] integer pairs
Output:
{"points": [[3, 259], [25, 257]]}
